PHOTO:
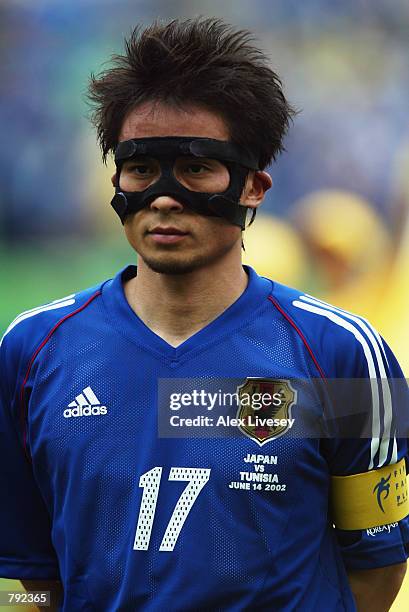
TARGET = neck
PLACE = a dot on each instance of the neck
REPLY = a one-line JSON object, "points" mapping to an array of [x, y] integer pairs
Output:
{"points": [[177, 306]]}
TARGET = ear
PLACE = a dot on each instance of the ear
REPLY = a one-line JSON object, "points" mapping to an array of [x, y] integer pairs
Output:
{"points": [[257, 183], [113, 179]]}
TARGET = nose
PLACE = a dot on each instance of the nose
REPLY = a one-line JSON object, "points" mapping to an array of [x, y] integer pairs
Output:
{"points": [[166, 204]]}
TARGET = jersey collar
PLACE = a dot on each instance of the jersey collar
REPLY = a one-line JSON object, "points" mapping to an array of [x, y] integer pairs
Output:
{"points": [[127, 322]]}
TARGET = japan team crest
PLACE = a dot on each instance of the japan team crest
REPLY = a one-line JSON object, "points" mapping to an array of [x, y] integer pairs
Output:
{"points": [[264, 409]]}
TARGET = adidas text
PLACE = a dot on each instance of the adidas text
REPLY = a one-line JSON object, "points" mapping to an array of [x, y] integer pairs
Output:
{"points": [[85, 411]]}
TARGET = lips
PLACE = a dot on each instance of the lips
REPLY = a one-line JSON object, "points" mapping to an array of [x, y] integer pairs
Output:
{"points": [[167, 231], [169, 235]]}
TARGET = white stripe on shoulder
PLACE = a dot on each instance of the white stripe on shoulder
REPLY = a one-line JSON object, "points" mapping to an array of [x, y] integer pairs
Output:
{"points": [[64, 299], [40, 308], [339, 317], [34, 311], [360, 320], [373, 336]]}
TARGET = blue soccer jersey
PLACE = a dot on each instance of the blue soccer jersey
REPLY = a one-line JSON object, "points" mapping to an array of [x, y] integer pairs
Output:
{"points": [[125, 475]]}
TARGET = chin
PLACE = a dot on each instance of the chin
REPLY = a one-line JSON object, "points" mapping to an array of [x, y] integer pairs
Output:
{"points": [[174, 267], [184, 263]]}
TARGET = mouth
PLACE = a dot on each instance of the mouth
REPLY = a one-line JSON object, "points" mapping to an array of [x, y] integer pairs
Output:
{"points": [[166, 235]]}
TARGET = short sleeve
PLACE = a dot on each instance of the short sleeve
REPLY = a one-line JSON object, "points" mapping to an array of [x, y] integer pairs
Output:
{"points": [[26, 550], [371, 435]]}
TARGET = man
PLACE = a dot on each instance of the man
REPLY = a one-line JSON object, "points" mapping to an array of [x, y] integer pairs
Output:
{"points": [[115, 488]]}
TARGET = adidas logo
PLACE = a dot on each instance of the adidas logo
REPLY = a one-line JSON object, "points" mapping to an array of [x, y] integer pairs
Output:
{"points": [[85, 404]]}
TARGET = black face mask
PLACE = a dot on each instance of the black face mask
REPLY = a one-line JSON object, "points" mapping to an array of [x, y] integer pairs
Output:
{"points": [[165, 151]]}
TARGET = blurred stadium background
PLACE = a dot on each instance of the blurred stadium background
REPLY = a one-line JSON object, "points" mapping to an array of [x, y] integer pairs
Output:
{"points": [[336, 222]]}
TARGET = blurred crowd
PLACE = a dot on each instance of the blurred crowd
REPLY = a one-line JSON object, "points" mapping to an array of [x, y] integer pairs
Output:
{"points": [[335, 222]]}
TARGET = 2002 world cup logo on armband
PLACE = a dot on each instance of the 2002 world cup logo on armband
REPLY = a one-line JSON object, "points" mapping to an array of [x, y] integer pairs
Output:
{"points": [[370, 499], [265, 408]]}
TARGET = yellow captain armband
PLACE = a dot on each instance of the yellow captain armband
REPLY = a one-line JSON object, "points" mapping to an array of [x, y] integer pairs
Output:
{"points": [[370, 499]]}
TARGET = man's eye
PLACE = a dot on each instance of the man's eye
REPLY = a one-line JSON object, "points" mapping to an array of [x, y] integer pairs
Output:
{"points": [[142, 170], [196, 168]]}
